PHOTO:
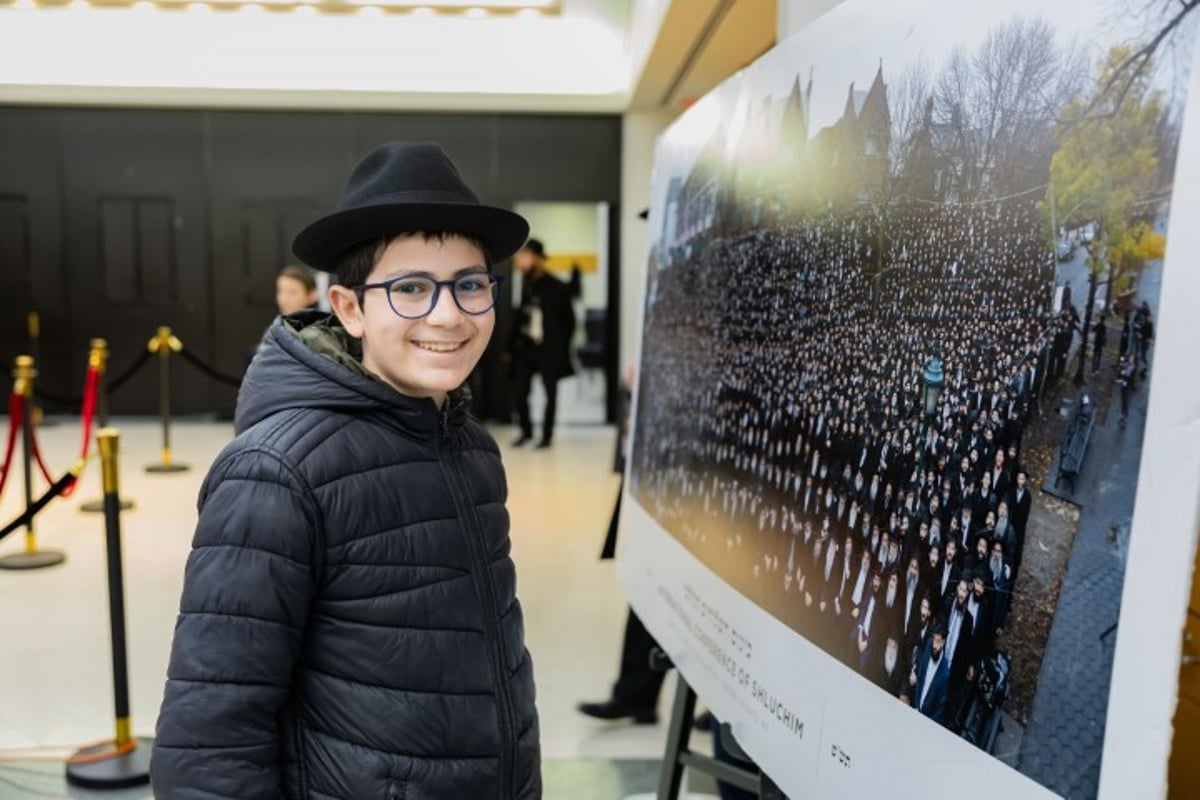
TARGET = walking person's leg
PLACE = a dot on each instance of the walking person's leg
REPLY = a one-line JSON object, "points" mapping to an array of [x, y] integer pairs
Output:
{"points": [[523, 383], [635, 693], [551, 386]]}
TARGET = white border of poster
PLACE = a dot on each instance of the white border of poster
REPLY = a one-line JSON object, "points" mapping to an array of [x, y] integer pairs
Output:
{"points": [[1145, 683], [813, 725]]}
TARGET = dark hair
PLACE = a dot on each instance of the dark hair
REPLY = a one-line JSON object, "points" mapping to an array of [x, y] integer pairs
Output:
{"points": [[302, 275], [357, 262]]}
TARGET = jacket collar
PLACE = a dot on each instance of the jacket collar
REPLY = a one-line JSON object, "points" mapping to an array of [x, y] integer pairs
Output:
{"points": [[307, 360]]}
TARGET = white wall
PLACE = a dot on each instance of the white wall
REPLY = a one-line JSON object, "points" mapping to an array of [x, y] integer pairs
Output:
{"points": [[639, 131], [794, 14], [574, 228]]}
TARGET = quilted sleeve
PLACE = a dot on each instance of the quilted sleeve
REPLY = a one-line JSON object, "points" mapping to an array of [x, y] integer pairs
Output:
{"points": [[248, 586]]}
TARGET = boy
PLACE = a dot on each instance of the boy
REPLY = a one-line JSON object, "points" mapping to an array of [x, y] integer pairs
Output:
{"points": [[295, 289], [349, 627]]}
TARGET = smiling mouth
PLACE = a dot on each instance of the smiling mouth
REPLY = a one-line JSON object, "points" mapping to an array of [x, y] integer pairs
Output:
{"points": [[441, 347]]}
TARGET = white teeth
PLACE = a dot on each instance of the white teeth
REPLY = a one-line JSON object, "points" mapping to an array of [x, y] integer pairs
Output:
{"points": [[439, 347]]}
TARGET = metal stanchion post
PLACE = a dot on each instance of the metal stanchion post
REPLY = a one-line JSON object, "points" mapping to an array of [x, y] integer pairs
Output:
{"points": [[23, 377], [34, 323], [126, 761], [164, 344], [98, 359]]}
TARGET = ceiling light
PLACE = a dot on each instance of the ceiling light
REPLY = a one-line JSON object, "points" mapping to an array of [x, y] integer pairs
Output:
{"points": [[475, 13], [422, 11], [370, 11]]}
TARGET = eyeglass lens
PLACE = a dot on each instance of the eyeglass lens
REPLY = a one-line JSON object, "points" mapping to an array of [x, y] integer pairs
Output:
{"points": [[414, 297]]}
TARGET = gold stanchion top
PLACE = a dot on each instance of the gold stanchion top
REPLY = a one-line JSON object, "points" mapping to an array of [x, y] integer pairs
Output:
{"points": [[164, 341], [98, 355], [23, 376]]}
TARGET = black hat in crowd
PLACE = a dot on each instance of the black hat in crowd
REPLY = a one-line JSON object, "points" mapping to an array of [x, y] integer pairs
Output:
{"points": [[405, 187], [536, 247]]}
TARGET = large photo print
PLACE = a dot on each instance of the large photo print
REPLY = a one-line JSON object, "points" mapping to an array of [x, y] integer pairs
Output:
{"points": [[899, 325]]}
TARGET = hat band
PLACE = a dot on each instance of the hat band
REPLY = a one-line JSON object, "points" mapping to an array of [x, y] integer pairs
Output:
{"points": [[416, 195]]}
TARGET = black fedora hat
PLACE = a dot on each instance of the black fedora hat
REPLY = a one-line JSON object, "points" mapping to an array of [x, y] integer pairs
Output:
{"points": [[403, 187]]}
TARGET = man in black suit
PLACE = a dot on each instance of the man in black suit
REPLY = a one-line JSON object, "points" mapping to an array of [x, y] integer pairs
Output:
{"points": [[1001, 584], [890, 672], [929, 681], [961, 637], [922, 625], [1021, 505], [541, 342], [870, 618], [912, 590], [1022, 502]]}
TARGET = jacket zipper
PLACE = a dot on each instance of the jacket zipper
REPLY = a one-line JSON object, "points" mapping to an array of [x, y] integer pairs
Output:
{"points": [[482, 576]]}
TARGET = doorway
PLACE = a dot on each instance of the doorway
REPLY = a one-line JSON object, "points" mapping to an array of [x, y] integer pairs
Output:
{"points": [[575, 236]]}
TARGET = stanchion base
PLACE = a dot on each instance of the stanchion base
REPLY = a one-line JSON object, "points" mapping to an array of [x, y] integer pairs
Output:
{"points": [[163, 468], [97, 506], [36, 560], [111, 772]]}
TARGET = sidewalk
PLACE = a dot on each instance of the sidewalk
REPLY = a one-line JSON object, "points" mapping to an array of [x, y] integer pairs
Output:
{"points": [[1064, 739]]}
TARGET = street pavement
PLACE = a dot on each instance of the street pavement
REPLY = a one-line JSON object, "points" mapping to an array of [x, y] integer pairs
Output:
{"points": [[1063, 741]]}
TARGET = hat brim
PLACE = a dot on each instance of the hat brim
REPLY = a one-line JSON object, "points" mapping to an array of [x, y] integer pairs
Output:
{"points": [[323, 243]]}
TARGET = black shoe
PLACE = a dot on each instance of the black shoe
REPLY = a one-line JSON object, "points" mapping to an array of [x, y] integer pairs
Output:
{"points": [[615, 709], [703, 721], [544, 444], [522, 439]]}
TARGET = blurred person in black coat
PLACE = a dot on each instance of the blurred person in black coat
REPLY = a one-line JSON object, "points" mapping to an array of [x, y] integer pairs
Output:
{"points": [[541, 343]]}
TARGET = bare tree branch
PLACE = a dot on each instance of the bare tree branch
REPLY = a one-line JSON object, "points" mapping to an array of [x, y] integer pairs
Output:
{"points": [[1131, 69]]}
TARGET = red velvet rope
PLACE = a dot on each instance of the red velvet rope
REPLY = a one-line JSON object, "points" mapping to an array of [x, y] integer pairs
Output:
{"points": [[91, 388], [16, 413], [37, 455], [91, 384]]}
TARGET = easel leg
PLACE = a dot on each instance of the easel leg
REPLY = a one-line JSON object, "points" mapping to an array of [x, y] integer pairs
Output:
{"points": [[682, 713]]}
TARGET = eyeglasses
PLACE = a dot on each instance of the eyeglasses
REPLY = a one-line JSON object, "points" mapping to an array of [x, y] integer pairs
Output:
{"points": [[414, 297]]}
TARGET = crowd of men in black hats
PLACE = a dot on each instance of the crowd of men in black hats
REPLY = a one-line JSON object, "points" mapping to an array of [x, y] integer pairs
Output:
{"points": [[782, 433]]}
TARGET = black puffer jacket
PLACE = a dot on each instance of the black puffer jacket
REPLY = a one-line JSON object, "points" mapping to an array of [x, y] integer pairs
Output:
{"points": [[349, 626]]}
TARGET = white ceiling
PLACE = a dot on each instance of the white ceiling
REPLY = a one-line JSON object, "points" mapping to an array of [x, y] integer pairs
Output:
{"points": [[590, 56]]}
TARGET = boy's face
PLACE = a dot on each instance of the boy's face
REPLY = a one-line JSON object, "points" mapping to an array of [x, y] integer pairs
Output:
{"points": [[291, 295], [426, 357]]}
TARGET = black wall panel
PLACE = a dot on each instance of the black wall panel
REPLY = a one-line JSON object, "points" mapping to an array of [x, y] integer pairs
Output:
{"points": [[269, 175], [136, 234], [113, 222], [32, 270]]}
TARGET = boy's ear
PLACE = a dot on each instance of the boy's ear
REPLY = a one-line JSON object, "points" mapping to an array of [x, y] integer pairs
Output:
{"points": [[344, 303]]}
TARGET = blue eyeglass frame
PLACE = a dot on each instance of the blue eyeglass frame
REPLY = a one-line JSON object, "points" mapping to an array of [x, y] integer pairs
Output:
{"points": [[437, 292]]}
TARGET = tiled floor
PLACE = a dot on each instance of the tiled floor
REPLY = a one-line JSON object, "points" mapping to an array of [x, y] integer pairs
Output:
{"points": [[55, 678]]}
